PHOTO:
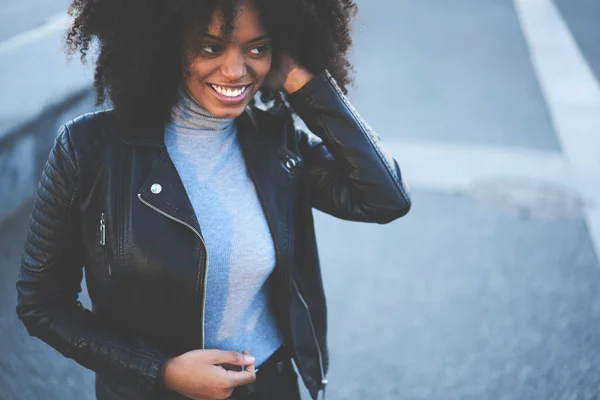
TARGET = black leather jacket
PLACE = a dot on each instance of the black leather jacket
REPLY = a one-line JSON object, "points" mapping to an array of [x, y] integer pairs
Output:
{"points": [[142, 249]]}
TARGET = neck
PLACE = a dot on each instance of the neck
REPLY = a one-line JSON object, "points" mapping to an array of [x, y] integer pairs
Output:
{"points": [[188, 113]]}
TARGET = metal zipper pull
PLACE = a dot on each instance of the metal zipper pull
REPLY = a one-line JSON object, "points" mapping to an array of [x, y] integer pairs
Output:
{"points": [[103, 242], [102, 231]]}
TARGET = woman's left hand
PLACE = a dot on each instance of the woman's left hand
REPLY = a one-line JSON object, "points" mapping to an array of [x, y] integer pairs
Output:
{"points": [[286, 74]]}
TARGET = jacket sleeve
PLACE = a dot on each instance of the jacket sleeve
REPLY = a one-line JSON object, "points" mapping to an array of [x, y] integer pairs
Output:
{"points": [[350, 175], [50, 277]]}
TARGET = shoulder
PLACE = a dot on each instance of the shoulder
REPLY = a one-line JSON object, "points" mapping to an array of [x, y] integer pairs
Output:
{"points": [[89, 132], [282, 125], [275, 118], [268, 118], [92, 125]]}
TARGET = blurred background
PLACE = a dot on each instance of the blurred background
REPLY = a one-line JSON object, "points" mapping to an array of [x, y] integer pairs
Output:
{"points": [[488, 289]]}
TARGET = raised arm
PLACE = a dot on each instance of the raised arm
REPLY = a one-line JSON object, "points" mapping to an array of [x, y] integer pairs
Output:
{"points": [[351, 176]]}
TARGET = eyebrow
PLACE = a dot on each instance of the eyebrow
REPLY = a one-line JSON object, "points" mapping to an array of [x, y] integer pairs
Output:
{"points": [[256, 39]]}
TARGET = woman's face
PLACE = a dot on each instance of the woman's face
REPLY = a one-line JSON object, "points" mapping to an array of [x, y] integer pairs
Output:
{"points": [[224, 75]]}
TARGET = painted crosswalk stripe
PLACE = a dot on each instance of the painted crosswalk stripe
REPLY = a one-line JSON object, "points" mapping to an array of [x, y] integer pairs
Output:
{"points": [[453, 167], [573, 98]]}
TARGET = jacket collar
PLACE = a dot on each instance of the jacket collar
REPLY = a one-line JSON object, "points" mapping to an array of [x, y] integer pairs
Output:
{"points": [[261, 162], [155, 136]]}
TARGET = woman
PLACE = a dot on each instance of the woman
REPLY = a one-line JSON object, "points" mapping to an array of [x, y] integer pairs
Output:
{"points": [[190, 207]]}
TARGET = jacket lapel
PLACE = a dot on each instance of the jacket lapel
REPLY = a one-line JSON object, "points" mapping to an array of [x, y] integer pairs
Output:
{"points": [[272, 182], [163, 190]]}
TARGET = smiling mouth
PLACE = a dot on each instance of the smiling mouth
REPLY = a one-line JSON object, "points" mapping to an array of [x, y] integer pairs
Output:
{"points": [[231, 92]]}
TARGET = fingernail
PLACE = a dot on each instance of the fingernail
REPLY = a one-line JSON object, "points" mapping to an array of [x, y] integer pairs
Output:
{"points": [[248, 358]]}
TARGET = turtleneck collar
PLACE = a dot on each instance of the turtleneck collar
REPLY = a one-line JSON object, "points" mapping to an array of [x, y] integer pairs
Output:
{"points": [[187, 113]]}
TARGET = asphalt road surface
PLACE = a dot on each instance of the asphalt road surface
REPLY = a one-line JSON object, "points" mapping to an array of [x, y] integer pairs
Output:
{"points": [[490, 287]]}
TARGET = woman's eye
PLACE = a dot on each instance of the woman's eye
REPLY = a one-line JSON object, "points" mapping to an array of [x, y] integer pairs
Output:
{"points": [[258, 50], [210, 49]]}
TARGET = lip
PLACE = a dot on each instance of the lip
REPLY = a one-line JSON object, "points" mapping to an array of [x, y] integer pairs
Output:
{"points": [[230, 100]]}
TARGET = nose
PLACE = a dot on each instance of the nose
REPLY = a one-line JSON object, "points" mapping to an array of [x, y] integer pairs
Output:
{"points": [[234, 66]]}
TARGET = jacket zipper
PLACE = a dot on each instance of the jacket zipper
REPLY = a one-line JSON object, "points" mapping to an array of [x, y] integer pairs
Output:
{"points": [[199, 266], [103, 242], [324, 381]]}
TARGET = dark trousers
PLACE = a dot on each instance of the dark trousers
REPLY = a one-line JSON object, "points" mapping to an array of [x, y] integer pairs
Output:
{"points": [[275, 380]]}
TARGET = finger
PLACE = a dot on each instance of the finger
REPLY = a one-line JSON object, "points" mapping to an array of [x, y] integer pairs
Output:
{"points": [[218, 357], [239, 378], [249, 368]]}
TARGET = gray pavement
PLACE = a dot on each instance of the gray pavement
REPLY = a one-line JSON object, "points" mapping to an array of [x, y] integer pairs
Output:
{"points": [[476, 294], [582, 17], [460, 300], [449, 71]]}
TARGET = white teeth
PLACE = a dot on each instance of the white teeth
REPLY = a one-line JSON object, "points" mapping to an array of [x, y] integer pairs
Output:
{"points": [[228, 92]]}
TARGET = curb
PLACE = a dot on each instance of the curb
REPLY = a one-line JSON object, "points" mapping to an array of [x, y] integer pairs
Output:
{"points": [[24, 151], [40, 90]]}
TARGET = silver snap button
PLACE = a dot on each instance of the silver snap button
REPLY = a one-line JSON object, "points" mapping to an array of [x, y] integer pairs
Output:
{"points": [[156, 188], [290, 163]]}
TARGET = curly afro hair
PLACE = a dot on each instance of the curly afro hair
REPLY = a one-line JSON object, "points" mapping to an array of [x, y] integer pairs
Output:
{"points": [[141, 45]]}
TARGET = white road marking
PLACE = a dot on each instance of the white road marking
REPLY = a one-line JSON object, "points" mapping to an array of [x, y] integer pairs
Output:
{"points": [[573, 97], [56, 23], [458, 167]]}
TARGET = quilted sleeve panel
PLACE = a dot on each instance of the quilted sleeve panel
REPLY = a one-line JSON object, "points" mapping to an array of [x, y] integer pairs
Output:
{"points": [[50, 281]]}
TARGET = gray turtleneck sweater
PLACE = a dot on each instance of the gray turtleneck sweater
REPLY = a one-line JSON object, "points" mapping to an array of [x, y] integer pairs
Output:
{"points": [[241, 252]]}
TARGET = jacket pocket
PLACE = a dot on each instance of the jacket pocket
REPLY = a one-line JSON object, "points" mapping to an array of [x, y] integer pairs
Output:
{"points": [[103, 235]]}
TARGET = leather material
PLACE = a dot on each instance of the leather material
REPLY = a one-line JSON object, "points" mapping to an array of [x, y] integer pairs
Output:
{"points": [[147, 281]]}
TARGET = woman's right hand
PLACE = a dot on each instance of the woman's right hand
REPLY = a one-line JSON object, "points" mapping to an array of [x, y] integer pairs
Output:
{"points": [[200, 375]]}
